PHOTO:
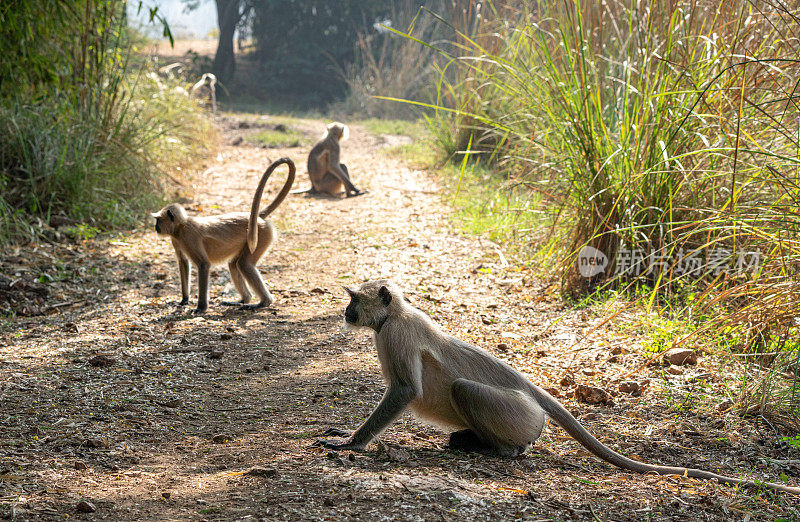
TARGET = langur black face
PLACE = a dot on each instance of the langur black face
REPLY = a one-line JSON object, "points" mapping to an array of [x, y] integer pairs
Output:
{"points": [[162, 220], [369, 306], [168, 218], [351, 312]]}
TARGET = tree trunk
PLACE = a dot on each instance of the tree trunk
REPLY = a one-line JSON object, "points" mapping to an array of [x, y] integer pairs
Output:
{"points": [[228, 15]]}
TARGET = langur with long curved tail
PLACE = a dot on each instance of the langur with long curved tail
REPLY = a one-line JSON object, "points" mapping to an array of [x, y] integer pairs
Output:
{"points": [[240, 238], [493, 408]]}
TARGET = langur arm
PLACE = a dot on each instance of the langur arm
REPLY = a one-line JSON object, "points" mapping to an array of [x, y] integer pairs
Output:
{"points": [[336, 170], [186, 274], [394, 401], [185, 270], [203, 269]]}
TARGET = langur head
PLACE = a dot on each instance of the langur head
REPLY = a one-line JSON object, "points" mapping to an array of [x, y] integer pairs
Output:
{"points": [[340, 131], [168, 219], [371, 304], [209, 79]]}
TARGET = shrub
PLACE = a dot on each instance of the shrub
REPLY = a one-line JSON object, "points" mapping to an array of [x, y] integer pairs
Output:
{"points": [[83, 133]]}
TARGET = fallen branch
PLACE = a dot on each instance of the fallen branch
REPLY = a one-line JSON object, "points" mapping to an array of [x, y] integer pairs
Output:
{"points": [[50, 308]]}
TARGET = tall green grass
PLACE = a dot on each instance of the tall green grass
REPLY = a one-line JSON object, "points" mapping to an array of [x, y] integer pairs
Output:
{"points": [[55, 160], [666, 132], [84, 133]]}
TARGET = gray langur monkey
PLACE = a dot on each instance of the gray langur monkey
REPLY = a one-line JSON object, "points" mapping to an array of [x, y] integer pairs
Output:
{"points": [[206, 89], [170, 70], [238, 238], [325, 169], [496, 409]]}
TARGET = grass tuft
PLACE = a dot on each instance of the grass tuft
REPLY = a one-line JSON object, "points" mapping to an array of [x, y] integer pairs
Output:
{"points": [[278, 139]]}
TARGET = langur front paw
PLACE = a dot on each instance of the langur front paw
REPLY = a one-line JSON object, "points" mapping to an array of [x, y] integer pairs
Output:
{"points": [[346, 444], [336, 432], [339, 445]]}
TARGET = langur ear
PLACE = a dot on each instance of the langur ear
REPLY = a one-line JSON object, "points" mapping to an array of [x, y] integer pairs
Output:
{"points": [[385, 295], [350, 291]]}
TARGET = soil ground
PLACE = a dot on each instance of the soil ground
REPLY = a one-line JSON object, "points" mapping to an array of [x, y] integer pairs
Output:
{"points": [[215, 417]]}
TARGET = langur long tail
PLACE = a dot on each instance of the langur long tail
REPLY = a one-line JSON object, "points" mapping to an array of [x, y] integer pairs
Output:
{"points": [[252, 225], [571, 425]]}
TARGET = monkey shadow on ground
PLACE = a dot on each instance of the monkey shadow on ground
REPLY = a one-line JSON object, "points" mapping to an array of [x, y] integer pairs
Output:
{"points": [[217, 311], [331, 197]]}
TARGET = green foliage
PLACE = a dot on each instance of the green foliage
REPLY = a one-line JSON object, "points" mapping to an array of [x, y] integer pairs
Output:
{"points": [[68, 46], [387, 64], [486, 206], [33, 40], [771, 385], [794, 442], [277, 139], [636, 137], [412, 129], [82, 133], [632, 136]]}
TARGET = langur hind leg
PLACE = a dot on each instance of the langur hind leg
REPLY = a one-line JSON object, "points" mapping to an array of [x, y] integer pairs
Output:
{"points": [[240, 285], [253, 277], [329, 184], [247, 265], [333, 432], [336, 432], [506, 420]]}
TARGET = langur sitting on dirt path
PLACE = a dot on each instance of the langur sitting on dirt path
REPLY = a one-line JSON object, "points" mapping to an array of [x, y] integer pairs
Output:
{"points": [[328, 175], [206, 91]]}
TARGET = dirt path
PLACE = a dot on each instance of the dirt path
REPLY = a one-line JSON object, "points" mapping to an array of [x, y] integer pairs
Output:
{"points": [[214, 417]]}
